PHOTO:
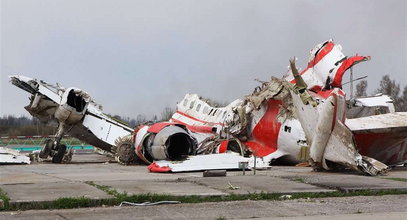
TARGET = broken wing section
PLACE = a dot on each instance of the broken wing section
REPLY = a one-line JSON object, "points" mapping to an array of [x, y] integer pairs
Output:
{"points": [[383, 137], [331, 141]]}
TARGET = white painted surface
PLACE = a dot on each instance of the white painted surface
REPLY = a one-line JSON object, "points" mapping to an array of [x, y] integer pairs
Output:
{"points": [[226, 161], [10, 156]]}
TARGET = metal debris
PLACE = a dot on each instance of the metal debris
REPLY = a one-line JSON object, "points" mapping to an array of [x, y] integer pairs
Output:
{"points": [[10, 156]]}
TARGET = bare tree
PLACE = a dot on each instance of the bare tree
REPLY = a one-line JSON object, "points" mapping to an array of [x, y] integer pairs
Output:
{"points": [[404, 100], [361, 88], [390, 88], [140, 119], [167, 113]]}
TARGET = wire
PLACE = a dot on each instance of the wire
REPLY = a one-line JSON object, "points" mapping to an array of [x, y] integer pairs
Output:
{"points": [[149, 203]]}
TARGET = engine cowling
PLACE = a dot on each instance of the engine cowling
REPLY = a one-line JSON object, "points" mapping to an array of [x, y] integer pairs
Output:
{"points": [[164, 141], [72, 108]]}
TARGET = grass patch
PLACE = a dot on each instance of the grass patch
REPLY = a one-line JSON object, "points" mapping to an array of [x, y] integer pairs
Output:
{"points": [[6, 199], [63, 203], [109, 190], [300, 180], [396, 179]]}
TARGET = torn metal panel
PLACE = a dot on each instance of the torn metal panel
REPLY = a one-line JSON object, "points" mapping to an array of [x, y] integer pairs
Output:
{"points": [[228, 161], [332, 141], [372, 101], [326, 66], [10, 156], [263, 122], [367, 106], [193, 110], [329, 138]]}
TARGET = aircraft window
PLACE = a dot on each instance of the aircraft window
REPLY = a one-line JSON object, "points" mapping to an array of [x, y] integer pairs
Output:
{"points": [[214, 112], [210, 112], [205, 110], [185, 102], [224, 114], [198, 107], [192, 104]]}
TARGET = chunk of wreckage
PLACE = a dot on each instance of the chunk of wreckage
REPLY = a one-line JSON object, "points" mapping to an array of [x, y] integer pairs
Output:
{"points": [[298, 118], [10, 156], [75, 113], [303, 118]]}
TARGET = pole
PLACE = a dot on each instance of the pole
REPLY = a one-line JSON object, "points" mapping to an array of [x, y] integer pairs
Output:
{"points": [[351, 82]]}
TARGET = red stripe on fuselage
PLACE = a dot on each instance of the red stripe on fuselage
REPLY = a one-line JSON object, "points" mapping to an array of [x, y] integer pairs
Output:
{"points": [[345, 65], [265, 134], [327, 48], [196, 119], [195, 128]]}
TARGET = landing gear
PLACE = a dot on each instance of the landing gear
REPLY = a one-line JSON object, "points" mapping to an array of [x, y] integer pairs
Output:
{"points": [[46, 149], [58, 152], [59, 155]]}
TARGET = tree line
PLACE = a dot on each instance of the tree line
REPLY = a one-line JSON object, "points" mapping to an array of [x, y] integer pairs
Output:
{"points": [[14, 126], [388, 87]]}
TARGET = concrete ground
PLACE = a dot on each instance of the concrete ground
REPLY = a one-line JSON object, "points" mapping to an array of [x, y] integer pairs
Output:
{"points": [[361, 207], [41, 182]]}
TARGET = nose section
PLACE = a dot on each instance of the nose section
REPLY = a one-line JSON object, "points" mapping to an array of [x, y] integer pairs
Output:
{"points": [[172, 143]]}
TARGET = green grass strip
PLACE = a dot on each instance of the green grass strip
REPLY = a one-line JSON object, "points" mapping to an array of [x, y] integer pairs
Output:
{"points": [[6, 200], [396, 179], [80, 202]]}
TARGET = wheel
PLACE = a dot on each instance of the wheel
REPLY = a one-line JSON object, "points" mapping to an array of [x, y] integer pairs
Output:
{"points": [[67, 156], [46, 149], [57, 158]]}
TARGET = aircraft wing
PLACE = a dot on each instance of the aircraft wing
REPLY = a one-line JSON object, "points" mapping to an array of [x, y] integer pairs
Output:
{"points": [[383, 137]]}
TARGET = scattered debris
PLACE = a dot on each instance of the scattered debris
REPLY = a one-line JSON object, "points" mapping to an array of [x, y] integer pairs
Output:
{"points": [[285, 196], [232, 187], [10, 156], [214, 173]]}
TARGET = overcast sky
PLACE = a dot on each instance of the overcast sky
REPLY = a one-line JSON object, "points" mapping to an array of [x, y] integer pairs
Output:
{"points": [[137, 57]]}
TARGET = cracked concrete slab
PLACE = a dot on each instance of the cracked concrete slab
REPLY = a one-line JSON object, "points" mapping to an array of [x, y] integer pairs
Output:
{"points": [[169, 187], [51, 191], [256, 184], [353, 182]]}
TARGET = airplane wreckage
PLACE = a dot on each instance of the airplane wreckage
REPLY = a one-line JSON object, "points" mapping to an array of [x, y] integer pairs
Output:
{"points": [[302, 117]]}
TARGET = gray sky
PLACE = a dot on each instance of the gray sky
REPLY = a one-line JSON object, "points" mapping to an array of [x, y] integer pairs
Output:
{"points": [[136, 57]]}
